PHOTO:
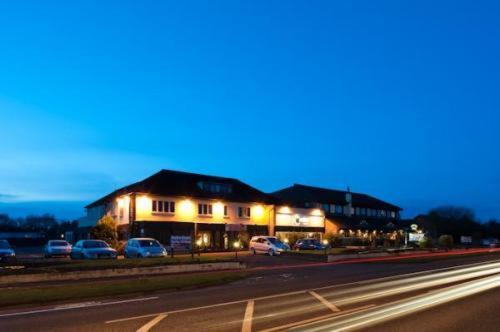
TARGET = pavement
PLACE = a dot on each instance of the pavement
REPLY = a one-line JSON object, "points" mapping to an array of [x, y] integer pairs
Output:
{"points": [[313, 297]]}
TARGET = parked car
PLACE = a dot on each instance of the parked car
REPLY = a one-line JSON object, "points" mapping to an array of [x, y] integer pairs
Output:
{"points": [[308, 244], [57, 248], [267, 244], [144, 247], [7, 254], [92, 249]]}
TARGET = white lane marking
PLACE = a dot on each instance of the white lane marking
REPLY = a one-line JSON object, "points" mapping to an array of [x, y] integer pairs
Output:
{"points": [[146, 327], [77, 305], [327, 303], [404, 307], [247, 321], [362, 282], [319, 318]]}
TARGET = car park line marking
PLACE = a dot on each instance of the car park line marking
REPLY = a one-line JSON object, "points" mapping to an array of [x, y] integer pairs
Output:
{"points": [[77, 305], [247, 321], [327, 303], [312, 320], [151, 323]]}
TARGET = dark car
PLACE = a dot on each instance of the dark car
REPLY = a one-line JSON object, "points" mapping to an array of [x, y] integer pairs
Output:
{"points": [[92, 249], [308, 244], [7, 254]]}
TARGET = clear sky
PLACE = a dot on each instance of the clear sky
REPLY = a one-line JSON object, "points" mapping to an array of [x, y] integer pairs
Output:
{"points": [[398, 99]]}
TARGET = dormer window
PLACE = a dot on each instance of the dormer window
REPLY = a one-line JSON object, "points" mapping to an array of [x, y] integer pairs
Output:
{"points": [[213, 187]]}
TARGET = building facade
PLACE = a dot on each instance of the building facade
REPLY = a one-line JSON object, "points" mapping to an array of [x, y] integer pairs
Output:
{"points": [[185, 209], [179, 209]]}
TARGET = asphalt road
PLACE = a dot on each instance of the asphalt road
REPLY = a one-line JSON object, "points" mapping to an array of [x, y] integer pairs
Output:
{"points": [[354, 296]]}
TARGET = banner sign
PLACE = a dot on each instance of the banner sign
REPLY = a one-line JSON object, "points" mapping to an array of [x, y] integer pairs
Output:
{"points": [[180, 242]]}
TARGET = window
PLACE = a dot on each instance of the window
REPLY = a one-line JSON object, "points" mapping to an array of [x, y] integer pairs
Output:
{"points": [[213, 187], [338, 209], [332, 208], [225, 211], [163, 206], [393, 214], [121, 213], [243, 212], [326, 208], [205, 209], [363, 211]]}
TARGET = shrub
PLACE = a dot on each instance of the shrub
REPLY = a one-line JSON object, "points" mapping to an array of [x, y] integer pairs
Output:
{"points": [[425, 243], [445, 241], [106, 230]]}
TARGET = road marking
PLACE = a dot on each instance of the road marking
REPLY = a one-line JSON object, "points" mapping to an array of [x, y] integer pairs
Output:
{"points": [[327, 303], [312, 320], [77, 305], [247, 321], [151, 323], [362, 282]]}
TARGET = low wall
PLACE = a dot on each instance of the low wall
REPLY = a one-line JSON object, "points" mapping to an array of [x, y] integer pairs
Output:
{"points": [[123, 272], [335, 258]]}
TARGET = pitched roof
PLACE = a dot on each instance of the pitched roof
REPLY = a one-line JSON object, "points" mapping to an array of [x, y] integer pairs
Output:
{"points": [[299, 194], [177, 183]]}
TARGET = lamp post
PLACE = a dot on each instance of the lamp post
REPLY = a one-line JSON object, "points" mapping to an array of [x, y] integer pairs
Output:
{"points": [[326, 243], [198, 244], [236, 246]]}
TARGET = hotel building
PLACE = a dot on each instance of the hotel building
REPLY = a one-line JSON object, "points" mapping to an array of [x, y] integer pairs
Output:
{"points": [[178, 208]]}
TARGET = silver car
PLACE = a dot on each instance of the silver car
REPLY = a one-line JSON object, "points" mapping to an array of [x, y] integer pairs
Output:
{"points": [[7, 254], [57, 248], [144, 247]]}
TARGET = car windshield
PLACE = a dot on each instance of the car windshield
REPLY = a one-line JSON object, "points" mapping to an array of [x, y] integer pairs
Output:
{"points": [[95, 244], [58, 243], [273, 240], [148, 243], [4, 244]]}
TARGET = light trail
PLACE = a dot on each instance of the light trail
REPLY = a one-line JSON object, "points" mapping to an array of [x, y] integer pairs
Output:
{"points": [[403, 307]]}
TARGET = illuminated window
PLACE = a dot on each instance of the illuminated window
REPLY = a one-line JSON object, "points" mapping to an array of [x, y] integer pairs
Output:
{"points": [[163, 206], [243, 212], [205, 209]]}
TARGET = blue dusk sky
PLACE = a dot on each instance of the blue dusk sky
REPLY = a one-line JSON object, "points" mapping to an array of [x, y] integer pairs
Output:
{"points": [[397, 99]]}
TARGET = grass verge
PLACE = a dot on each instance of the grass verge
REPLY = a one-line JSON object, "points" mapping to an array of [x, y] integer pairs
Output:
{"points": [[93, 289], [81, 265]]}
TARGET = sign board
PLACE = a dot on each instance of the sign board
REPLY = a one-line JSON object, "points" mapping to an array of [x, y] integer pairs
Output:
{"points": [[415, 237], [180, 242], [466, 239]]}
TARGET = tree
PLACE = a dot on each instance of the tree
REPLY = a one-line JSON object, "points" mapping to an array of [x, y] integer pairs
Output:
{"points": [[106, 230], [445, 241]]}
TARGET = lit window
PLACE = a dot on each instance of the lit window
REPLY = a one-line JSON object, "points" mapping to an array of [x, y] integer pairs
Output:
{"points": [[243, 212], [163, 206], [205, 209]]}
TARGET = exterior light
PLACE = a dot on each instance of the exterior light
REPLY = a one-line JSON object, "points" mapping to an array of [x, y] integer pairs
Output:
{"points": [[143, 203], [325, 242], [236, 244], [310, 234], [258, 211], [218, 209], [286, 240], [186, 209], [120, 202], [284, 209], [199, 242], [62, 236]]}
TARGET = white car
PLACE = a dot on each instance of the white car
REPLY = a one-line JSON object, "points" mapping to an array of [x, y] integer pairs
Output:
{"points": [[267, 245], [57, 248]]}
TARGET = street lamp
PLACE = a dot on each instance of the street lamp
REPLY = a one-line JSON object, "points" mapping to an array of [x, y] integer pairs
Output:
{"points": [[236, 246], [326, 243], [199, 242]]}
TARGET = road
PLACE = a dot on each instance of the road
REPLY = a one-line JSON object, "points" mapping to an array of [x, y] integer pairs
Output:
{"points": [[382, 297]]}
